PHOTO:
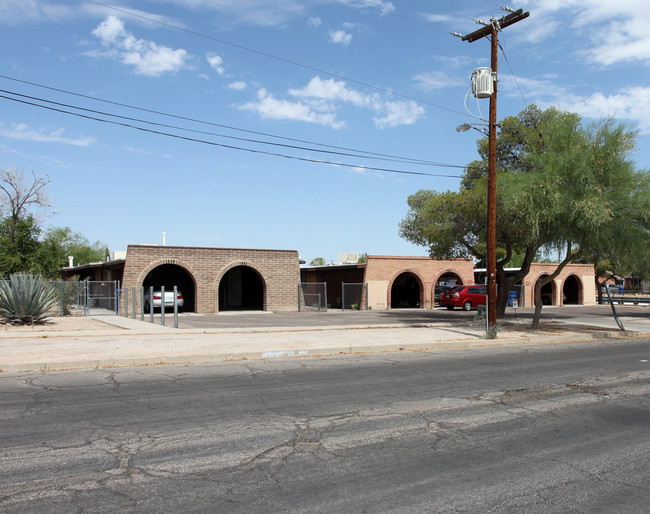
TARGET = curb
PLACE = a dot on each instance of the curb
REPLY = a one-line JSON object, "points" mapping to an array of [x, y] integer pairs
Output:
{"points": [[311, 352]]}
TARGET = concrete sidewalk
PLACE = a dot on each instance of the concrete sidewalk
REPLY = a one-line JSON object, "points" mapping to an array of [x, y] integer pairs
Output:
{"points": [[130, 342]]}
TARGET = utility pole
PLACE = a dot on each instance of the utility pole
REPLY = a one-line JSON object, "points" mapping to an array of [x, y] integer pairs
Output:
{"points": [[491, 30]]}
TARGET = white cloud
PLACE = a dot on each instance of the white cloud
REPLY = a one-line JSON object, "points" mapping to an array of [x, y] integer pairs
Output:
{"points": [[321, 101], [434, 80], [377, 5], [331, 89], [313, 22], [216, 62], [237, 86], [399, 113], [147, 57], [268, 107], [14, 12], [340, 37], [612, 32], [437, 18], [631, 103], [27, 133]]}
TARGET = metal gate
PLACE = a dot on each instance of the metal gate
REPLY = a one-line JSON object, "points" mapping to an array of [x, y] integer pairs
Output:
{"points": [[100, 297], [312, 296], [354, 296]]}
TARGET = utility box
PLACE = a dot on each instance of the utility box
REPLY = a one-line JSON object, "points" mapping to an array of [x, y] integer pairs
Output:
{"points": [[482, 83]]}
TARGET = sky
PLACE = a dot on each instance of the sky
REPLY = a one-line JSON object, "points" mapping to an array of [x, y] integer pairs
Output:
{"points": [[287, 124]]}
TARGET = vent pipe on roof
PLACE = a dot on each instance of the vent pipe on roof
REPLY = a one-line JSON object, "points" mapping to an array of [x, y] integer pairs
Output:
{"points": [[164, 238], [70, 261]]}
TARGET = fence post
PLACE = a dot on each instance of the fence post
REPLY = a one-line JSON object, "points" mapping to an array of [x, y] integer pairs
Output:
{"points": [[126, 302], [342, 296], [366, 288], [151, 304], [142, 303], [133, 290], [162, 305], [299, 301], [175, 306], [325, 289]]}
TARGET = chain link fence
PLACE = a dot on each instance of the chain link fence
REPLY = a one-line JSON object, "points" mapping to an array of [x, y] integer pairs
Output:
{"points": [[354, 296], [312, 296]]}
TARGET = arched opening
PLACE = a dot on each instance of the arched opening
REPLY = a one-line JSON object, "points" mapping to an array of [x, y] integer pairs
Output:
{"points": [[548, 291], [170, 275], [241, 289], [571, 291], [406, 292], [445, 282]]}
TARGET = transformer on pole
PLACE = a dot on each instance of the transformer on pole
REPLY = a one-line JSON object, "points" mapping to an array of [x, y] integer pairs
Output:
{"points": [[481, 79]]}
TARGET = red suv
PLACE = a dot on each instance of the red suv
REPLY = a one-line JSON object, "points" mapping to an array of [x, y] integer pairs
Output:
{"points": [[467, 297]]}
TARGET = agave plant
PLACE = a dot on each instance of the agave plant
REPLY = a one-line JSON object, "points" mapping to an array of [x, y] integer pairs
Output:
{"points": [[25, 298]]}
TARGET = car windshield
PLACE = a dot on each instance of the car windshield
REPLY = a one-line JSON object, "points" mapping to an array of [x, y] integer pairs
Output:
{"points": [[457, 288]]}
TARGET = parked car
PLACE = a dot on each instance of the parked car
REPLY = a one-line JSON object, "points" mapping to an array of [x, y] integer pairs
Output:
{"points": [[467, 297], [169, 299], [438, 292]]}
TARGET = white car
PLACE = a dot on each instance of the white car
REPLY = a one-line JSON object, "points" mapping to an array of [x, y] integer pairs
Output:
{"points": [[169, 299]]}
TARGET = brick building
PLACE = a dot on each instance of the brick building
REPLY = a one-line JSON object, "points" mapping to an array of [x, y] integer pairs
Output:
{"points": [[220, 279], [393, 282]]}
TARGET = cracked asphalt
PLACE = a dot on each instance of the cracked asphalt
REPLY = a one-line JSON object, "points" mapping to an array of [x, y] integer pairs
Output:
{"points": [[540, 428]]}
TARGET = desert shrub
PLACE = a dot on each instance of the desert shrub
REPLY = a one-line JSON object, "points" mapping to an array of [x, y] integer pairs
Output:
{"points": [[25, 298]]}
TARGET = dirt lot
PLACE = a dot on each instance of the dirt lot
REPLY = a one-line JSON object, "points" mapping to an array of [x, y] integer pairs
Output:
{"points": [[61, 324]]}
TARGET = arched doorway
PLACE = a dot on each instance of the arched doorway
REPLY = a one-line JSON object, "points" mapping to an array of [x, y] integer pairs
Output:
{"points": [[241, 289], [170, 275], [548, 291], [571, 291], [445, 282], [406, 292]]}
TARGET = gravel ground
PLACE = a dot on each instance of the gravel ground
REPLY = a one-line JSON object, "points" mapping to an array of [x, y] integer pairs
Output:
{"points": [[61, 324]]}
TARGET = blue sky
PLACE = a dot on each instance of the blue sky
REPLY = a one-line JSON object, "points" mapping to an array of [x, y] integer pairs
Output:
{"points": [[245, 87]]}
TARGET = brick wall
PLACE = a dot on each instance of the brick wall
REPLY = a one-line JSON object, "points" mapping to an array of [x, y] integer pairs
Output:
{"points": [[584, 275], [381, 272], [278, 269]]}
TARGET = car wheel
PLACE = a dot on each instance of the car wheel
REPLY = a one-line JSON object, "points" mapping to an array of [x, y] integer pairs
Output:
{"points": [[467, 306], [450, 307]]}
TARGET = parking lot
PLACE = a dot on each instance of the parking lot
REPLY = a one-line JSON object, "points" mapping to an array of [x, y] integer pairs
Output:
{"points": [[598, 315]]}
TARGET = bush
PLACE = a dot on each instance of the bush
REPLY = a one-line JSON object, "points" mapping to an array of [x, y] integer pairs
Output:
{"points": [[25, 299]]}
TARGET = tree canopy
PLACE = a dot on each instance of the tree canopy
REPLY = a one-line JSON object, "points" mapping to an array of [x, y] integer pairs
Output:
{"points": [[23, 246], [560, 183]]}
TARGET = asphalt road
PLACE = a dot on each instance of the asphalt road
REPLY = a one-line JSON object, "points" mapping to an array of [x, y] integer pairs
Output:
{"points": [[543, 428]]}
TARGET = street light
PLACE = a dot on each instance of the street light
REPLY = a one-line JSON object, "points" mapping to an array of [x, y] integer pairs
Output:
{"points": [[466, 126], [484, 85]]}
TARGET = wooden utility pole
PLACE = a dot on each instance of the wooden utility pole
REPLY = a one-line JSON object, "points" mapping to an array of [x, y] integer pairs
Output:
{"points": [[493, 30]]}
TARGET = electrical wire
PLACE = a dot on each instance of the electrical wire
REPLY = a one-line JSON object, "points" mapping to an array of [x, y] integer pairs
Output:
{"points": [[184, 118], [247, 140], [503, 52], [271, 56], [232, 147]]}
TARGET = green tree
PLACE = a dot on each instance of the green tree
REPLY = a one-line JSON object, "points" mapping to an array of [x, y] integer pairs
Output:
{"points": [[318, 261], [19, 245], [584, 192], [559, 184], [68, 243], [363, 258]]}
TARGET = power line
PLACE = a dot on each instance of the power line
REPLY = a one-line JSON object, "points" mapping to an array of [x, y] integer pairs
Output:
{"points": [[247, 140], [275, 57], [194, 120], [232, 147], [503, 52]]}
